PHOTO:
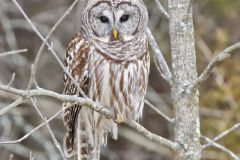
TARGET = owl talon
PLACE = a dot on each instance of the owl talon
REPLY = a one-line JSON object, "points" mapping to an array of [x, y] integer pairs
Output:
{"points": [[119, 119]]}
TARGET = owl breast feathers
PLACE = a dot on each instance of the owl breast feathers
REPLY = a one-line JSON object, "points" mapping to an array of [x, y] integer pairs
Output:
{"points": [[113, 72]]}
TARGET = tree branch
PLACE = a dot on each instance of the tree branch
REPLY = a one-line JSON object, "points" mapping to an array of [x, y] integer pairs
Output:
{"points": [[12, 105], [141, 140], [165, 71], [33, 130], [49, 129], [163, 141], [39, 53], [221, 147], [61, 97], [50, 47], [89, 103], [171, 120], [221, 135], [205, 74], [162, 10], [11, 80], [13, 52]]}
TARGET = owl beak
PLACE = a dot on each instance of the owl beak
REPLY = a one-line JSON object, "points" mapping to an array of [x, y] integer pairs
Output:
{"points": [[115, 34]]}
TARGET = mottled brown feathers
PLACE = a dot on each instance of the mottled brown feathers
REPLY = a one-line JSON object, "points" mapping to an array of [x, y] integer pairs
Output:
{"points": [[76, 64], [120, 85], [113, 73]]}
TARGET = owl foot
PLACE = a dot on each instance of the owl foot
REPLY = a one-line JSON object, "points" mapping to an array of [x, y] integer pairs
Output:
{"points": [[119, 120]]}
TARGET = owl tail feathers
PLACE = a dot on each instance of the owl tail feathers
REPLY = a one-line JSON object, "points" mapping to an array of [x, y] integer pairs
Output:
{"points": [[82, 150], [68, 145], [81, 142]]}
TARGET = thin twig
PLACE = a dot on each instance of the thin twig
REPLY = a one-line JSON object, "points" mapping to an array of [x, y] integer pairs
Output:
{"points": [[49, 129], [11, 80], [55, 140], [163, 141], [41, 140], [12, 105], [32, 131], [127, 133], [39, 53], [159, 112], [205, 74], [223, 134], [50, 47], [31, 157], [219, 78], [162, 10], [166, 74], [62, 97], [221, 147], [12, 52]]}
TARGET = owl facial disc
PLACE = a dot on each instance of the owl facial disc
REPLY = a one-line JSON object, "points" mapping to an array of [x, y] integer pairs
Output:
{"points": [[112, 21]]}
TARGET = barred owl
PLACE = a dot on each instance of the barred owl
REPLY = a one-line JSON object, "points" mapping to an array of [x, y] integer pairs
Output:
{"points": [[110, 62]]}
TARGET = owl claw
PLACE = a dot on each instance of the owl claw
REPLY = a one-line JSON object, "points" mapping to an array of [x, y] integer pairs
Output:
{"points": [[119, 119]]}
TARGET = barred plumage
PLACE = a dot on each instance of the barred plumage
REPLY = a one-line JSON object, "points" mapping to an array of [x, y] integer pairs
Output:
{"points": [[112, 72]]}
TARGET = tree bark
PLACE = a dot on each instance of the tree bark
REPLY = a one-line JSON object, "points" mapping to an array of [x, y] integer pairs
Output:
{"points": [[186, 105]]}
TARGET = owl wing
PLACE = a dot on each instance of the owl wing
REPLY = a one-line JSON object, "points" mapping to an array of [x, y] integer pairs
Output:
{"points": [[76, 63]]}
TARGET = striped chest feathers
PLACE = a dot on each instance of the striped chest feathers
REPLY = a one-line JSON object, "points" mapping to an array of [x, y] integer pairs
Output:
{"points": [[119, 85]]}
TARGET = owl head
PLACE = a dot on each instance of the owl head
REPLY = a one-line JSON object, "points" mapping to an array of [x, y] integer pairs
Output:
{"points": [[114, 20]]}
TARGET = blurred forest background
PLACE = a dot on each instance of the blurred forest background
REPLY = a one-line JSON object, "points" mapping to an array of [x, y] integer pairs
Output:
{"points": [[217, 26]]}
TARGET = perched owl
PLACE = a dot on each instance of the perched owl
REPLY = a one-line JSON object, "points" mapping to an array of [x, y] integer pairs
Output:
{"points": [[110, 62]]}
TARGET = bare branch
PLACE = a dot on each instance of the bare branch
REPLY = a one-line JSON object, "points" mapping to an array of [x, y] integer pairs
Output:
{"points": [[55, 140], [49, 129], [39, 53], [89, 103], [32, 77], [50, 47], [162, 10], [205, 74], [171, 120], [163, 141], [142, 141], [11, 80], [31, 157], [38, 137], [13, 52], [165, 71], [234, 156], [11, 106], [32, 131], [61, 97], [219, 78], [221, 135]]}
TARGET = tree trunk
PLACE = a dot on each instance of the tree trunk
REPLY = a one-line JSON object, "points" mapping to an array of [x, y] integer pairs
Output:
{"points": [[186, 105]]}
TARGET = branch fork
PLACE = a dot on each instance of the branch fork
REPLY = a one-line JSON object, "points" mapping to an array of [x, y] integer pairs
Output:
{"points": [[226, 53]]}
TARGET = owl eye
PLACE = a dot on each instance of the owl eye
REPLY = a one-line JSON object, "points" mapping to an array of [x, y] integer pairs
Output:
{"points": [[103, 19], [124, 18]]}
